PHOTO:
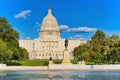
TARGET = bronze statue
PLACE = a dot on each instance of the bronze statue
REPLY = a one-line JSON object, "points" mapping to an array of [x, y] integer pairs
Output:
{"points": [[50, 59], [66, 44]]}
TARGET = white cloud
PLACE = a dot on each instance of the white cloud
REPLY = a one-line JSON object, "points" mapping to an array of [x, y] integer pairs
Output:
{"points": [[37, 23], [23, 14], [79, 29], [82, 29], [77, 37], [63, 27], [37, 26]]}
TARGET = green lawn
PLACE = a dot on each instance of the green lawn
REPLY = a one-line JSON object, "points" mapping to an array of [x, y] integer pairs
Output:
{"points": [[34, 62], [42, 62], [28, 63], [12, 63], [57, 61]]}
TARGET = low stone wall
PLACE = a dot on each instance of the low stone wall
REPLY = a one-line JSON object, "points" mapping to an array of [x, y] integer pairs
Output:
{"points": [[2, 65], [83, 67], [106, 67], [23, 68], [69, 67]]}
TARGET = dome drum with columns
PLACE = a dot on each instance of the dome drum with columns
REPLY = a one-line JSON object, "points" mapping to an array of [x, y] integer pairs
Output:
{"points": [[49, 44]]}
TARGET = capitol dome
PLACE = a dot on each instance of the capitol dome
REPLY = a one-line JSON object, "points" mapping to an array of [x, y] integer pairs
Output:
{"points": [[49, 25]]}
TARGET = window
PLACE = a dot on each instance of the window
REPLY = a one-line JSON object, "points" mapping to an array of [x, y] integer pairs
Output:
{"points": [[49, 54], [49, 32], [39, 54], [59, 54], [42, 54]]}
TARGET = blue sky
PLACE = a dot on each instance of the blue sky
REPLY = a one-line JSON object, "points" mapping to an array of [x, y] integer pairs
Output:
{"points": [[77, 19]]}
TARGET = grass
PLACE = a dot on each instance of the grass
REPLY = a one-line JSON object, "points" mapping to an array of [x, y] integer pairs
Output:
{"points": [[60, 61], [34, 63], [12, 63], [74, 61], [90, 63], [45, 63], [57, 61], [28, 63]]}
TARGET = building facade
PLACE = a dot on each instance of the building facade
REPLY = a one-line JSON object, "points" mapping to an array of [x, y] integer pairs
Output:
{"points": [[49, 43]]}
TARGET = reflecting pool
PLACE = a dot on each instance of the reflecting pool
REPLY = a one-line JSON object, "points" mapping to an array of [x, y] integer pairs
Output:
{"points": [[60, 75]]}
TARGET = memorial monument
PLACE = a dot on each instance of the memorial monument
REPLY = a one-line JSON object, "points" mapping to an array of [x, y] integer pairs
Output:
{"points": [[66, 54], [51, 61]]}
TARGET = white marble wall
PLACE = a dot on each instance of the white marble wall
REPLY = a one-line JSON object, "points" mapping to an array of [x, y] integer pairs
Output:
{"points": [[39, 49], [2, 65], [83, 67]]}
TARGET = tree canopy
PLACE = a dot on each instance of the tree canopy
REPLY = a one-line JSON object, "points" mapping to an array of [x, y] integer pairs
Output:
{"points": [[101, 48], [9, 37]]}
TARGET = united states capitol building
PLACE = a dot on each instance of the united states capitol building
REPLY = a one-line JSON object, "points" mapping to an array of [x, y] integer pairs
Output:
{"points": [[49, 43]]}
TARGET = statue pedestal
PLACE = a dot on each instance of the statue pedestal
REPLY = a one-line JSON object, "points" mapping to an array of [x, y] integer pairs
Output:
{"points": [[51, 62], [66, 57], [81, 62]]}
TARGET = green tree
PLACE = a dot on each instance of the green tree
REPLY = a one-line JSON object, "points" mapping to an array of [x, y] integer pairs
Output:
{"points": [[79, 52], [115, 37], [114, 47], [98, 43], [118, 51], [95, 48], [7, 33], [101, 48], [5, 53], [10, 37], [23, 54]]}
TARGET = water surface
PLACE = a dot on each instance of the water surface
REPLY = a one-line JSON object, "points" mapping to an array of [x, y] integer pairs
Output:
{"points": [[60, 75]]}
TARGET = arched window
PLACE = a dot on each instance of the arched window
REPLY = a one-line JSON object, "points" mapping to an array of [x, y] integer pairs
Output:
{"points": [[56, 54], [53, 54], [42, 54], [39, 54], [49, 54], [46, 54], [59, 54]]}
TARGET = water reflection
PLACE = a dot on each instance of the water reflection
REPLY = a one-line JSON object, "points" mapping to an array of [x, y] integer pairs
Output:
{"points": [[60, 75]]}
